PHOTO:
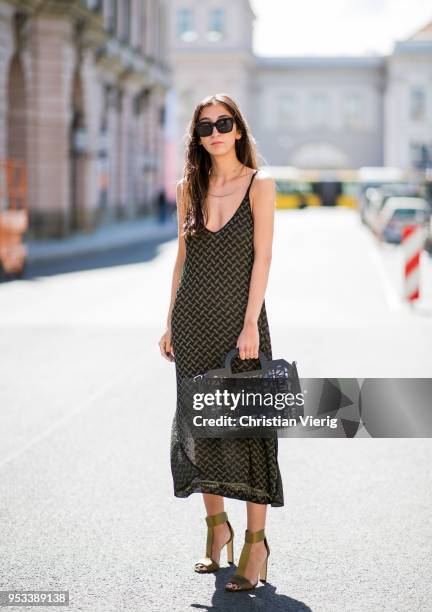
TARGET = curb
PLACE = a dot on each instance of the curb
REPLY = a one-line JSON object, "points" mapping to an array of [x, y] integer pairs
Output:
{"points": [[103, 239]]}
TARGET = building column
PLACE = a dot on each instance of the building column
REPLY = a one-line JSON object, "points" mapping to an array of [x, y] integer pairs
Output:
{"points": [[7, 50], [92, 107], [52, 66], [126, 162], [113, 105]]}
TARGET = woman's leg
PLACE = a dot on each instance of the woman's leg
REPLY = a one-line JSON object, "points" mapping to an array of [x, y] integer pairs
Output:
{"points": [[214, 504], [256, 518]]}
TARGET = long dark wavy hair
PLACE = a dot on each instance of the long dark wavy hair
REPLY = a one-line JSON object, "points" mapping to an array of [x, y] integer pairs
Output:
{"points": [[197, 163]]}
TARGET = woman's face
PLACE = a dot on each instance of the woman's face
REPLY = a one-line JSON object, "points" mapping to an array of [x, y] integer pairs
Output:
{"points": [[217, 143]]}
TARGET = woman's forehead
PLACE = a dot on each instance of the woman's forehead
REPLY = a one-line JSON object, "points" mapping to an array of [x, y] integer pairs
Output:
{"points": [[210, 111]]}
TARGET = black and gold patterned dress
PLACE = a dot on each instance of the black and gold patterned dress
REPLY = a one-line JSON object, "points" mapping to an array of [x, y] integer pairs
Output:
{"points": [[207, 318]]}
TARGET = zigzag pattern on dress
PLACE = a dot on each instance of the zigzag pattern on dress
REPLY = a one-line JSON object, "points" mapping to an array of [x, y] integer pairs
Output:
{"points": [[207, 318]]}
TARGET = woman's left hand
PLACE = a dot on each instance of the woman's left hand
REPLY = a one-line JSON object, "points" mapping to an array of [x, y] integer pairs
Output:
{"points": [[248, 341]]}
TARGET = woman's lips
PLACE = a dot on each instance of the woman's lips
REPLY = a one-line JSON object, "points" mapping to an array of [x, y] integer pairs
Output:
{"points": [[217, 142]]}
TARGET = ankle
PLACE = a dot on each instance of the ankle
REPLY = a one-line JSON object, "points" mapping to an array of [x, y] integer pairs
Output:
{"points": [[221, 530]]}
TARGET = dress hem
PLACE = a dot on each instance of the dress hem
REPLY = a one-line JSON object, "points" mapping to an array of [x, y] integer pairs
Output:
{"points": [[215, 490]]}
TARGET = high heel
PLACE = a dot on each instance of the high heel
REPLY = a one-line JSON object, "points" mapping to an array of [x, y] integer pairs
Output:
{"points": [[243, 584], [263, 570], [207, 564]]}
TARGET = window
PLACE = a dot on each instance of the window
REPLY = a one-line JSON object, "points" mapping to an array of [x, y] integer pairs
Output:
{"points": [[111, 16], [141, 101], [126, 21], [216, 25], [185, 25], [286, 110], [421, 155], [417, 103], [352, 110], [94, 5], [319, 109]]}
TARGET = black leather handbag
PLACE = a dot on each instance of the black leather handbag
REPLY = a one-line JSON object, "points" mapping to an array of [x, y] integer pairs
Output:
{"points": [[270, 368], [281, 375]]}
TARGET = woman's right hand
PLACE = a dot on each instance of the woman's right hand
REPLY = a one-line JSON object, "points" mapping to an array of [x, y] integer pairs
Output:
{"points": [[165, 345]]}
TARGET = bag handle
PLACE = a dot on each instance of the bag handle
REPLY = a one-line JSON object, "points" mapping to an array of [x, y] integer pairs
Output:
{"points": [[235, 353]]}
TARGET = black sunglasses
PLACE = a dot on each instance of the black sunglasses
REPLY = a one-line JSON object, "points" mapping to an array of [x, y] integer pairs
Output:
{"points": [[223, 125]]}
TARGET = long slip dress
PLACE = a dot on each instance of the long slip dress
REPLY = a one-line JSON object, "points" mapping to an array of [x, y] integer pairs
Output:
{"points": [[207, 318]]}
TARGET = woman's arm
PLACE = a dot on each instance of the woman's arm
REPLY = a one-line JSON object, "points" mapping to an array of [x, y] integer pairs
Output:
{"points": [[181, 252], [165, 344], [263, 198]]}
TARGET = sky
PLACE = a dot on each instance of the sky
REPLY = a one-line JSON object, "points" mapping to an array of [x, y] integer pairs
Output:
{"points": [[335, 27]]}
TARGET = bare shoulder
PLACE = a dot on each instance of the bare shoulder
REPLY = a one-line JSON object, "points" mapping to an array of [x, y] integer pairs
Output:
{"points": [[263, 177], [263, 188]]}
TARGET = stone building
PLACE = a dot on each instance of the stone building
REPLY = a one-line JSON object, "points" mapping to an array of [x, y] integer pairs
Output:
{"points": [[82, 104], [408, 102], [310, 112]]}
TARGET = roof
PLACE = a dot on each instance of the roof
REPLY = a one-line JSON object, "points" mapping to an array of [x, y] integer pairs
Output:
{"points": [[396, 202], [425, 33], [320, 61]]}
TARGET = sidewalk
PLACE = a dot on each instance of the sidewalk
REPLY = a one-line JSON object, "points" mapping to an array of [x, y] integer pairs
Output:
{"points": [[119, 234]]}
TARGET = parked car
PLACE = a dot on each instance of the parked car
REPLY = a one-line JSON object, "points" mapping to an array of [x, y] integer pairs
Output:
{"points": [[428, 243], [376, 177], [376, 197], [398, 212]]}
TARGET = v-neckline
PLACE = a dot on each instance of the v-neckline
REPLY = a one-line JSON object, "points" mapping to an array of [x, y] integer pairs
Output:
{"points": [[235, 213], [229, 220]]}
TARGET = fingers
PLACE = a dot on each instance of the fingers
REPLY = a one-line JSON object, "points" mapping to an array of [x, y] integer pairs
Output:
{"points": [[166, 348], [248, 352]]}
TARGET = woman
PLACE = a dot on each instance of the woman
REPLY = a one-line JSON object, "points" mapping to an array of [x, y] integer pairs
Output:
{"points": [[225, 218]]}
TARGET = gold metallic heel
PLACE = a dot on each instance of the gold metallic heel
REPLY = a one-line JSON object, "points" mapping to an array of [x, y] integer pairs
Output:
{"points": [[263, 571], [230, 547], [207, 564], [241, 582]]}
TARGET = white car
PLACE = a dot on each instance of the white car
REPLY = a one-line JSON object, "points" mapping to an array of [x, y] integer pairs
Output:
{"points": [[397, 212]]}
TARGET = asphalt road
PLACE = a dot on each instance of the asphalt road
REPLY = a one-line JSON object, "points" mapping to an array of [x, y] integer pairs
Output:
{"points": [[86, 403]]}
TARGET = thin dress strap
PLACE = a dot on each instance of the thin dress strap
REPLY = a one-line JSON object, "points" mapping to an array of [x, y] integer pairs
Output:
{"points": [[250, 183]]}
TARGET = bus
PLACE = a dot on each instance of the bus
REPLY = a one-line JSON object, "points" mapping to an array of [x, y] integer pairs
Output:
{"points": [[299, 188]]}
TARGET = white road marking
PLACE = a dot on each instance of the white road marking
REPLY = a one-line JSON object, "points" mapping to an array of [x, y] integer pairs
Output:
{"points": [[123, 374], [393, 300]]}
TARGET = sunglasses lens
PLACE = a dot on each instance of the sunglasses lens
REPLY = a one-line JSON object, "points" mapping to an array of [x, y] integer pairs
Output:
{"points": [[224, 125], [204, 129]]}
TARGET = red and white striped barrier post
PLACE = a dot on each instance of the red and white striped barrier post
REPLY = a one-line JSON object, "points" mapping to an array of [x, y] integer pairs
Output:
{"points": [[413, 239]]}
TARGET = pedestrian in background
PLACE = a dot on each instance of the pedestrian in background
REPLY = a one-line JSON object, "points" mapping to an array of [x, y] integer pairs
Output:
{"points": [[162, 206]]}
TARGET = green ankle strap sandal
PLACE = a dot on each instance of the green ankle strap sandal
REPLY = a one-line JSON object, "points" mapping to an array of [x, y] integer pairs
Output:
{"points": [[207, 564], [243, 584]]}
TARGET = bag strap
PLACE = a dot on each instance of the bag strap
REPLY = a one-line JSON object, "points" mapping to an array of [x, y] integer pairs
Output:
{"points": [[235, 353]]}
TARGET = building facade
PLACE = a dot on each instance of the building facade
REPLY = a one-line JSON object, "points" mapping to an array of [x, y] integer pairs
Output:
{"points": [[408, 102], [310, 112], [82, 104]]}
